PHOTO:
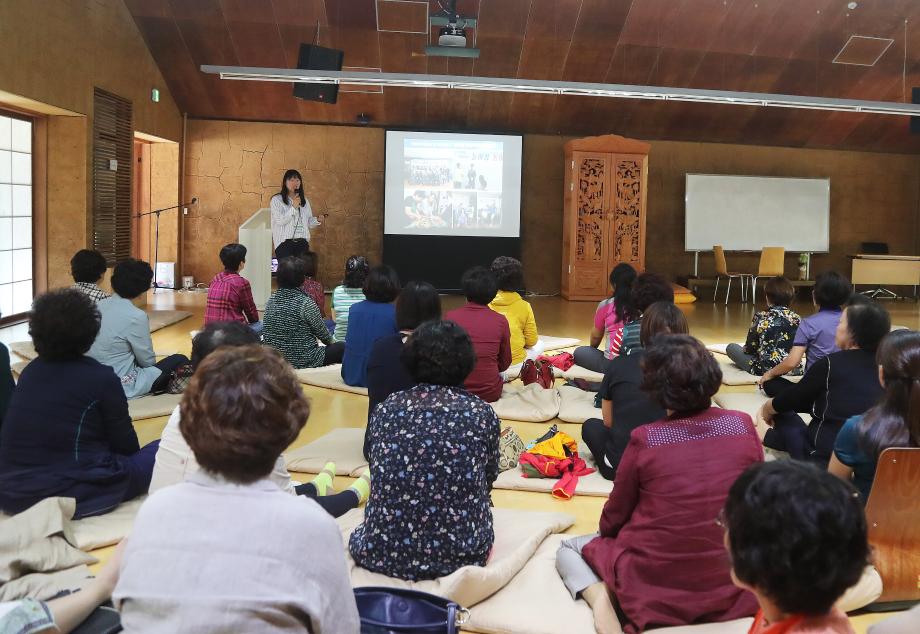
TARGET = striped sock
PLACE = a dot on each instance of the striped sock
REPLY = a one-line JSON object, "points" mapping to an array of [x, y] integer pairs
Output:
{"points": [[362, 486], [324, 481]]}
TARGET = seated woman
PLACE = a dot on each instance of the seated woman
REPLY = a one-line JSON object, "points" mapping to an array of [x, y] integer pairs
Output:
{"points": [[430, 500], [772, 331], [176, 463], [624, 405], [815, 337], [893, 422], [823, 550], [418, 302], [841, 385], [229, 293], [228, 550], [313, 287], [611, 315], [660, 552], [124, 342], [67, 431], [648, 289], [525, 342], [87, 267], [292, 323], [368, 321], [349, 293], [488, 330]]}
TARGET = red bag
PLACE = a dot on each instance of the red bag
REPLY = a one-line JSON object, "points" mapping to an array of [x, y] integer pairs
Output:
{"points": [[567, 471], [538, 372], [563, 360]]}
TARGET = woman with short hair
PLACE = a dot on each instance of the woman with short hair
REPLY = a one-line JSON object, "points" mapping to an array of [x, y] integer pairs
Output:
{"points": [[292, 323], [124, 341], [87, 267], [349, 293], [67, 431], [228, 550], [660, 553], [434, 456], [368, 321]]}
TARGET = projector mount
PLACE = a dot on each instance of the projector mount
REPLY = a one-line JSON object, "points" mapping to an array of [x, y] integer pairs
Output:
{"points": [[452, 36]]}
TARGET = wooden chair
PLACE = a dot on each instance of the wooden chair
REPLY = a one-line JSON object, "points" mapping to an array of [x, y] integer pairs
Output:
{"points": [[722, 271], [893, 516], [772, 263]]}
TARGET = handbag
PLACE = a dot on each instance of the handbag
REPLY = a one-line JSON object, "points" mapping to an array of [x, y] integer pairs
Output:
{"points": [[180, 379], [510, 448], [540, 372], [404, 611]]}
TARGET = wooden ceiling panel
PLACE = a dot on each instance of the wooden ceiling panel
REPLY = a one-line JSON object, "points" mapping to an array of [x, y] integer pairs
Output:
{"points": [[770, 46]]}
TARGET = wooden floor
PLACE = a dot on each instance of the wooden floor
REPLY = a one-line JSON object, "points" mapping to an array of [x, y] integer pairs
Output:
{"points": [[712, 323]]}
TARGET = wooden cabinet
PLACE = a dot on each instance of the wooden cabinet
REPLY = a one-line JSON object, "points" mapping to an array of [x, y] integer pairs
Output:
{"points": [[604, 212]]}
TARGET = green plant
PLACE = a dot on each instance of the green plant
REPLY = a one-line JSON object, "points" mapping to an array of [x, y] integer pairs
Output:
{"points": [[803, 259]]}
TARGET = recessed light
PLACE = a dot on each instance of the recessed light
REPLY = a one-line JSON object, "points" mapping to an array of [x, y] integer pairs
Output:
{"points": [[852, 5]]}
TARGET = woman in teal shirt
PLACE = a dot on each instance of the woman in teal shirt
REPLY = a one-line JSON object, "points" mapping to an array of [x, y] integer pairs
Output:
{"points": [[894, 422]]}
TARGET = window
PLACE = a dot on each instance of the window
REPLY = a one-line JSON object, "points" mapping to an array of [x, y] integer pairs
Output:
{"points": [[112, 139], [16, 289]]}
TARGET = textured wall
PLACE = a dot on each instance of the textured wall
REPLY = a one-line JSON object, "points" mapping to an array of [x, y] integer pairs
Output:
{"points": [[55, 52], [235, 167]]}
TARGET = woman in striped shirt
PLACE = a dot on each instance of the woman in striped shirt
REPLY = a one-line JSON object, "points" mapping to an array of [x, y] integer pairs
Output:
{"points": [[349, 293]]}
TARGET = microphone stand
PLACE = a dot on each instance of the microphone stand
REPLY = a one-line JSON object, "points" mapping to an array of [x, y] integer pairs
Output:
{"points": [[156, 240]]}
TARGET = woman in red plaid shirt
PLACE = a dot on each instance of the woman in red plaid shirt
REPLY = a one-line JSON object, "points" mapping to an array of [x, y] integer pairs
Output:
{"points": [[229, 295]]}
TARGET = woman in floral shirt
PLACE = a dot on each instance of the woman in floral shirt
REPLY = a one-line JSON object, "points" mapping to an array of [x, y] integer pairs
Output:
{"points": [[772, 332], [434, 457]]}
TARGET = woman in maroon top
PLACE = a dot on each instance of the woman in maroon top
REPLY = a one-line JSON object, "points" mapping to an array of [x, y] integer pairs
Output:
{"points": [[488, 330], [313, 288], [660, 552]]}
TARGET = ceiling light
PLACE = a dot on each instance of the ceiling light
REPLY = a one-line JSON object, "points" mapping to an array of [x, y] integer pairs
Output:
{"points": [[620, 91]]}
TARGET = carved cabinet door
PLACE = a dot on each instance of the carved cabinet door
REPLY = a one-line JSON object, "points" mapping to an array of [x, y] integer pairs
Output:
{"points": [[626, 215], [592, 197]]}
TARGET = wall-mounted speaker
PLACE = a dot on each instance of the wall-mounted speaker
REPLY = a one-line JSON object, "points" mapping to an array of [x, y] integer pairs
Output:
{"points": [[313, 57]]}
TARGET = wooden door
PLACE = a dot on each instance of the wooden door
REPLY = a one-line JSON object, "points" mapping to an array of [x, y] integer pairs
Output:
{"points": [[626, 215], [589, 225]]}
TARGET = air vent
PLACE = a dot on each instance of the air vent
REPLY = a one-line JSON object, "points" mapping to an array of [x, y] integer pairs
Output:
{"points": [[863, 50], [402, 16]]}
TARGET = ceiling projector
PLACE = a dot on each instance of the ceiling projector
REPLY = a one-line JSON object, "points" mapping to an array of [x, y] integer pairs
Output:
{"points": [[452, 35]]}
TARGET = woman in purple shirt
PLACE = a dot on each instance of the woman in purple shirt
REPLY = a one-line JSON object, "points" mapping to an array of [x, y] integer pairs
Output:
{"points": [[814, 338]]}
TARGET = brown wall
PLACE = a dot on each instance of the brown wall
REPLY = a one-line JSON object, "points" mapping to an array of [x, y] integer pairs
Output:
{"points": [[235, 167], [55, 52]]}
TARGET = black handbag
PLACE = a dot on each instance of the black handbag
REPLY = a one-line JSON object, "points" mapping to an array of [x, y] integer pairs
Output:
{"points": [[402, 611]]}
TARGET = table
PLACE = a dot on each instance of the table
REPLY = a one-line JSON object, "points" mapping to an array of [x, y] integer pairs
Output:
{"points": [[882, 270]]}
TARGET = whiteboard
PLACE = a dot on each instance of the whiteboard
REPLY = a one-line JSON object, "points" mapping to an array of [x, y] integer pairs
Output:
{"points": [[747, 213]]}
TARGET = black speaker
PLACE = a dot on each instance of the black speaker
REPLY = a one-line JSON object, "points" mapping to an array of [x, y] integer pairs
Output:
{"points": [[318, 58], [915, 121]]}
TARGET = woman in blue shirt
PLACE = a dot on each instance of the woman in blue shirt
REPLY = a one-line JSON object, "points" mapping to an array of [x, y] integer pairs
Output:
{"points": [[368, 321], [67, 431], [894, 422]]}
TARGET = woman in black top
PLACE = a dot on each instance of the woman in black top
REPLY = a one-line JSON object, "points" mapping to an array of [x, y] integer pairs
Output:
{"points": [[841, 385], [417, 302], [624, 405]]}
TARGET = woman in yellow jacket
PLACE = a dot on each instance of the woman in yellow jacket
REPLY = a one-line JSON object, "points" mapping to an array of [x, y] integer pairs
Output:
{"points": [[525, 343]]}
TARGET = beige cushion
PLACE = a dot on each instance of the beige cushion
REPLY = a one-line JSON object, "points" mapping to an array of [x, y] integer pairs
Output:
{"points": [[152, 406], [45, 585], [162, 318], [108, 529], [536, 601], [738, 626], [518, 534], [593, 485], [18, 367], [718, 347], [40, 539], [866, 591], [558, 343], [577, 405], [343, 446], [329, 377], [530, 403], [24, 349], [578, 372]]}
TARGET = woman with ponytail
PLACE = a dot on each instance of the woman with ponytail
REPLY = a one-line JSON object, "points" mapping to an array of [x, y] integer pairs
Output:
{"points": [[611, 315], [893, 422]]}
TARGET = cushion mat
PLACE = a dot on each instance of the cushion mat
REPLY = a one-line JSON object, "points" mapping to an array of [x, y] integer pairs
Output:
{"points": [[577, 405], [153, 406], [529, 403], [557, 343], [343, 446], [518, 535], [594, 485], [108, 529], [329, 376]]}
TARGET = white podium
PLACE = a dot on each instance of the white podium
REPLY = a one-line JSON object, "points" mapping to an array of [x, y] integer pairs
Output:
{"points": [[256, 236]]}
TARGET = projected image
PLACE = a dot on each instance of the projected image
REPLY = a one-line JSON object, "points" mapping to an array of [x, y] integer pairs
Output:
{"points": [[452, 184]]}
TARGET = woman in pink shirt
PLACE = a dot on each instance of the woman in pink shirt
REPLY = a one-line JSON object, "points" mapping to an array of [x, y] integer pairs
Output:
{"points": [[611, 315]]}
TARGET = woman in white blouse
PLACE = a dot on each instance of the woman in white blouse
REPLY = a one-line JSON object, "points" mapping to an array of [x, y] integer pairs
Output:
{"points": [[292, 217]]}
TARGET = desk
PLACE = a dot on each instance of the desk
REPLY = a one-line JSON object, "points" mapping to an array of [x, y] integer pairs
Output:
{"points": [[882, 270]]}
